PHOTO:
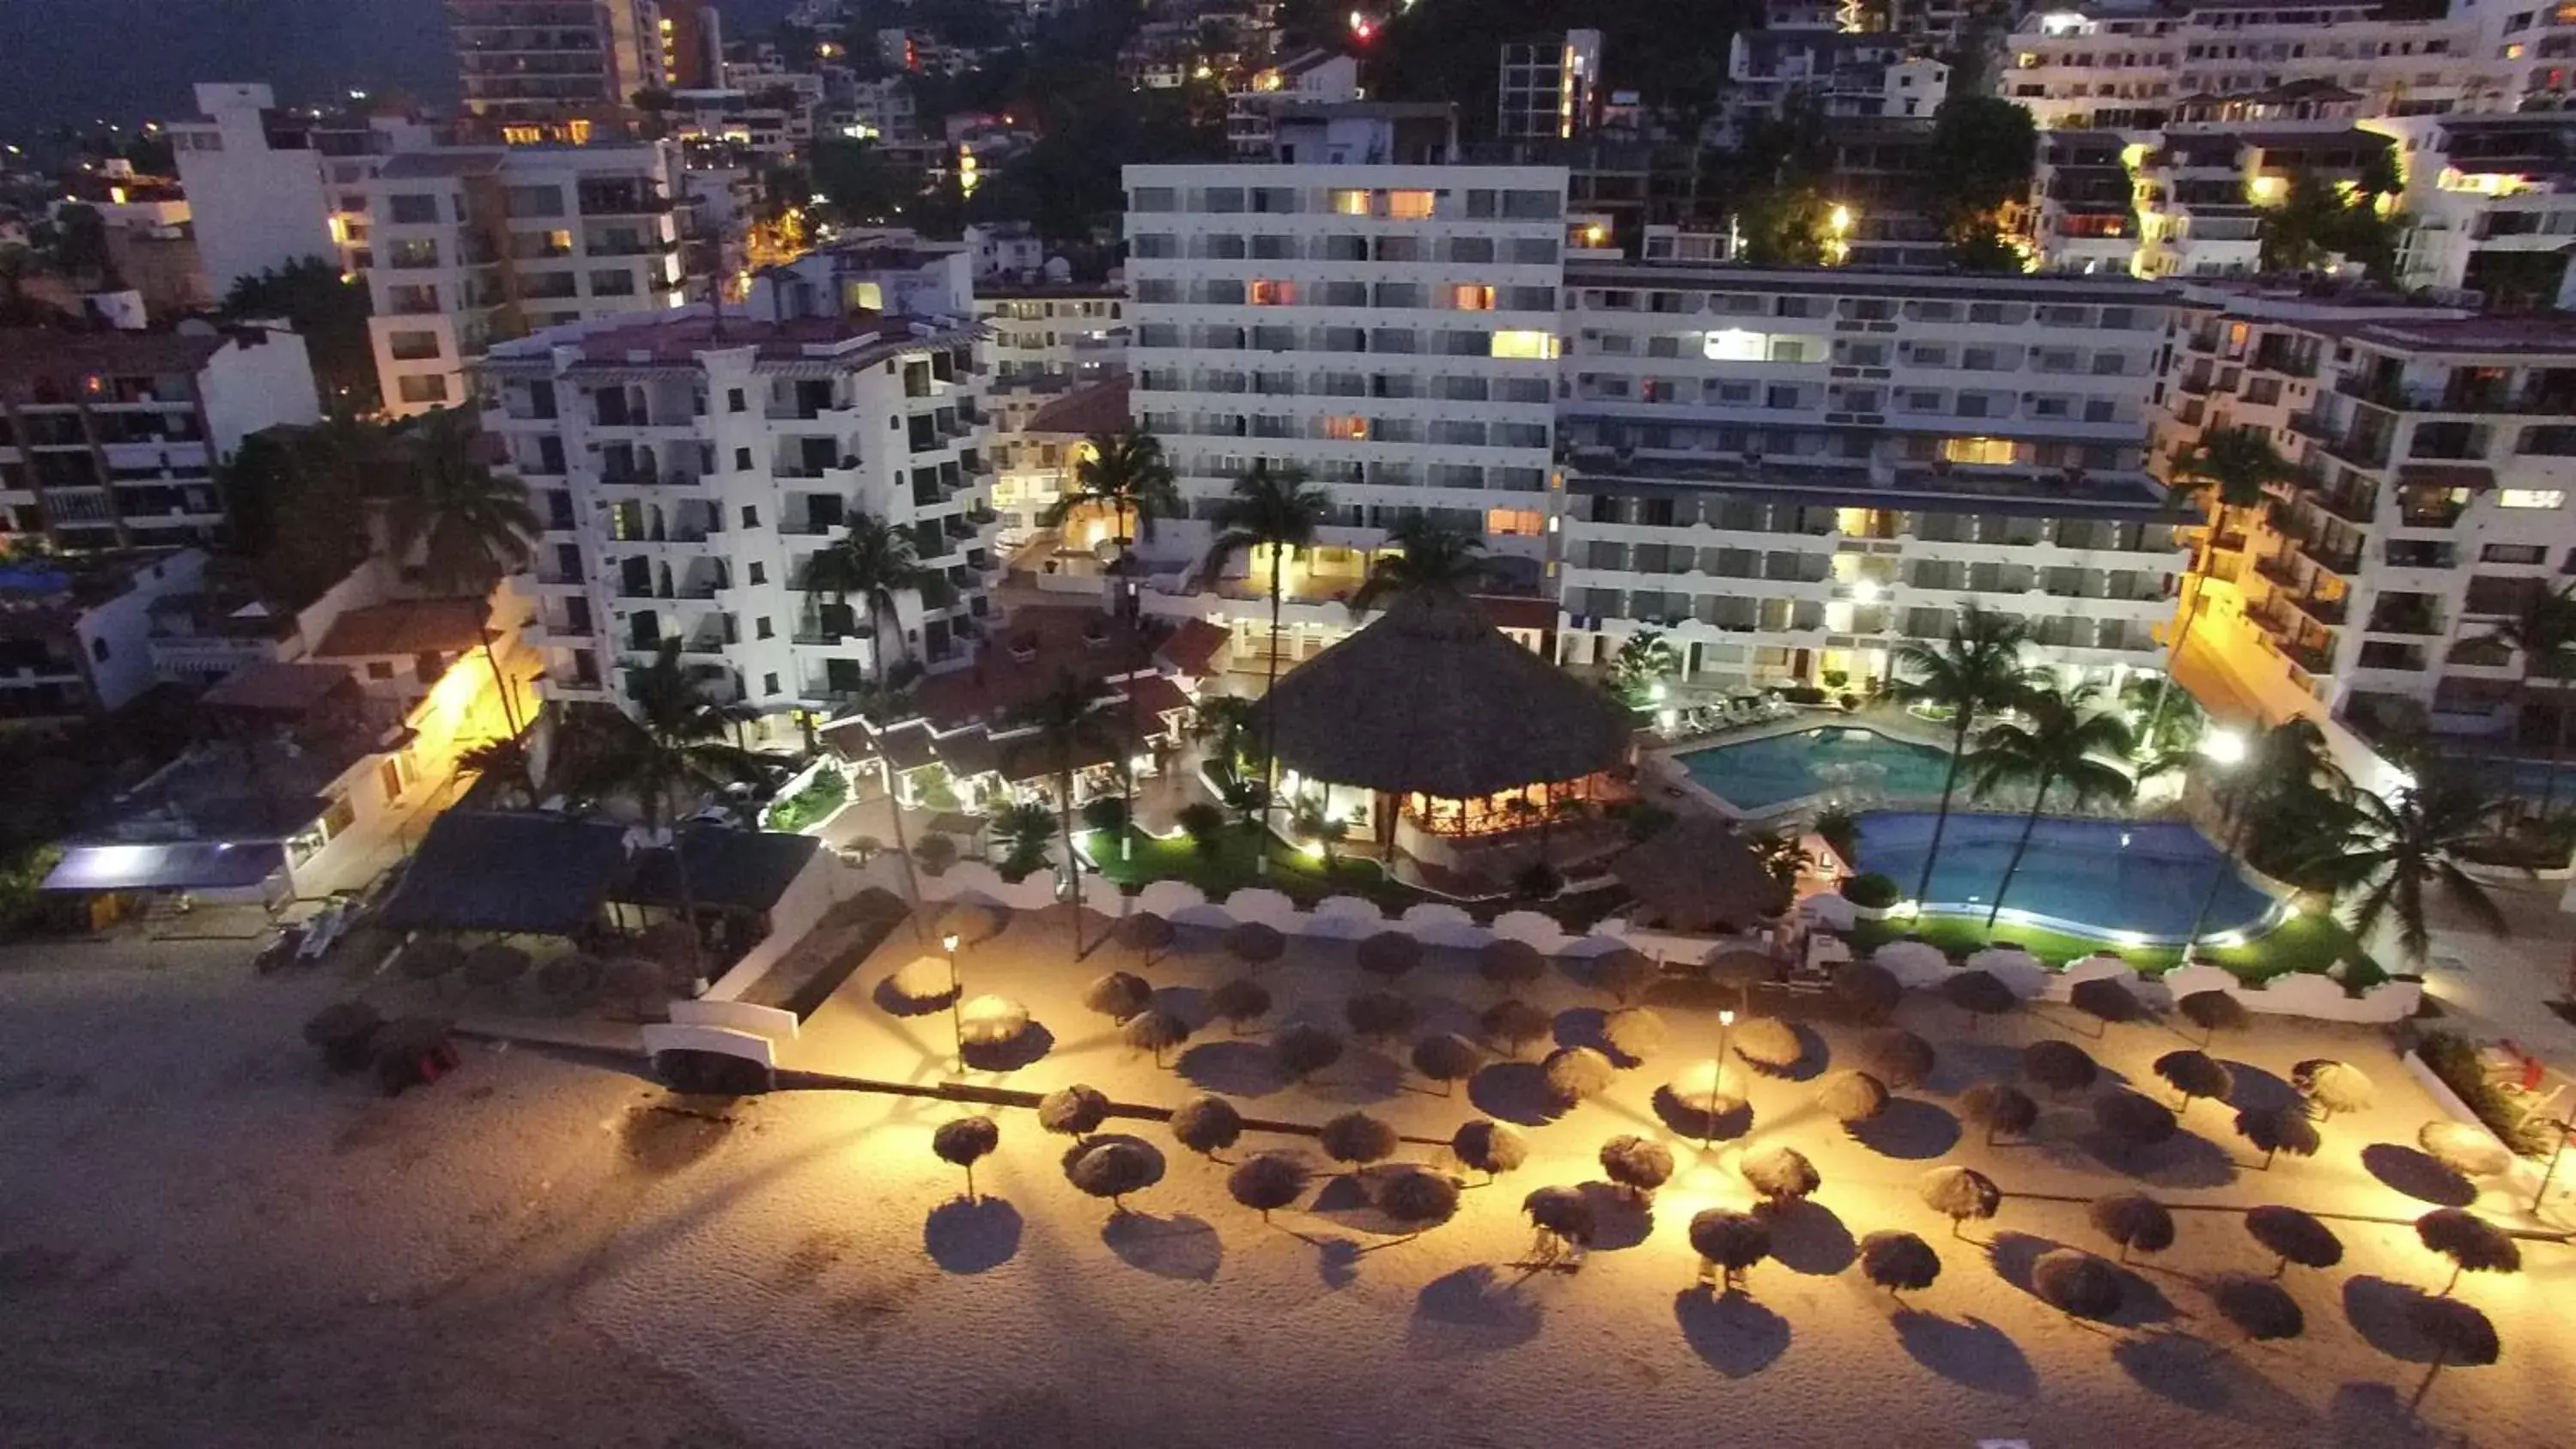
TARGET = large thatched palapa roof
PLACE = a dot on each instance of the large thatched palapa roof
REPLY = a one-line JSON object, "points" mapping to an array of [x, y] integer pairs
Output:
{"points": [[1432, 699], [1698, 875]]}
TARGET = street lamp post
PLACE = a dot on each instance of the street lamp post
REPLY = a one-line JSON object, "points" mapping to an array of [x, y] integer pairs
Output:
{"points": [[956, 1017], [2225, 750], [1717, 1077]]}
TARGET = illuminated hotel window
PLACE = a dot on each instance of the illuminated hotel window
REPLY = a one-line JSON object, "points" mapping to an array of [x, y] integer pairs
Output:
{"points": [[1977, 450], [1471, 298]]}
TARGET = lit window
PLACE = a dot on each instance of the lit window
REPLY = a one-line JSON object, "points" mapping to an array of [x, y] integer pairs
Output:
{"points": [[2531, 498], [1351, 203], [1409, 205], [1468, 297], [1348, 429], [1989, 451], [1272, 294], [1515, 522], [1536, 346], [2513, 51], [1733, 344]]}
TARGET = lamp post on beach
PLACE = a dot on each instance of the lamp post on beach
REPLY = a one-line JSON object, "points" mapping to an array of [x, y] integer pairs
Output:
{"points": [[2225, 750], [956, 1021], [1717, 1073]]}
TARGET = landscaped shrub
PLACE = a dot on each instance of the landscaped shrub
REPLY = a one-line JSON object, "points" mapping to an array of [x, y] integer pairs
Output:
{"points": [[1643, 820], [825, 793], [1205, 825], [1801, 694], [1872, 891], [936, 853], [2455, 1061], [1840, 829], [1106, 815]]}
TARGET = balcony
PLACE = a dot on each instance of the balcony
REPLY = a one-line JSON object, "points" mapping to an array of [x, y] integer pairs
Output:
{"points": [[2345, 561], [2350, 507], [2279, 569], [2329, 612], [2309, 657], [2409, 621]]}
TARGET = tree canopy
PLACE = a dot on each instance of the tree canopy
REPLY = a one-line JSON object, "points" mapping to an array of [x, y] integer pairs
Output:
{"points": [[330, 314]]}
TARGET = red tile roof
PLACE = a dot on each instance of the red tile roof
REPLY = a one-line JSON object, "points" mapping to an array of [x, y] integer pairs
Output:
{"points": [[407, 626], [1098, 409], [999, 683], [272, 688], [1195, 646]]}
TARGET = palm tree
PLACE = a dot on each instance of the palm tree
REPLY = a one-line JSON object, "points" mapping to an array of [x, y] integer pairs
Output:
{"points": [[1272, 509], [671, 747], [1976, 673], [872, 560], [2543, 633], [2227, 470], [504, 759], [1067, 718], [469, 524], [1431, 557], [2070, 739], [1126, 473], [2282, 763], [2391, 851]]}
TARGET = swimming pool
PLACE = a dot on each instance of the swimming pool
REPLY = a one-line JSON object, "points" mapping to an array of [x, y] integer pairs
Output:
{"points": [[1759, 774], [2109, 875]]}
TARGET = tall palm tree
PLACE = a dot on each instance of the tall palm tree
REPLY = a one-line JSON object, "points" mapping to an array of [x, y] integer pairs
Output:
{"points": [[1976, 673], [872, 560], [1430, 557], [1067, 718], [672, 747], [2543, 633], [503, 758], [2284, 764], [1274, 509], [470, 524], [1126, 473], [2068, 739], [2391, 852], [2226, 471]]}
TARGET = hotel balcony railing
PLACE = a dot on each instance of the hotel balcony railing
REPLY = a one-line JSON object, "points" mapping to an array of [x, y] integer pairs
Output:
{"points": [[2324, 611]]}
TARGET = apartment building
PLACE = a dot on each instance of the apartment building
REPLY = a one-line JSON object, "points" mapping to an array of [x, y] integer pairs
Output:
{"points": [[1388, 329], [478, 244], [1308, 78], [2491, 205], [111, 440], [1046, 343], [2084, 204], [689, 467], [269, 185], [1549, 87], [74, 634], [2436, 467], [555, 70], [2200, 192], [690, 36], [1789, 472], [1840, 73]]}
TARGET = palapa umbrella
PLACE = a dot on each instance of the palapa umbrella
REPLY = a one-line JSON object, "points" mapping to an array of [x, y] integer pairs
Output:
{"points": [[645, 984], [1700, 1097], [2473, 1244], [1512, 1025], [1389, 954], [1145, 933], [2293, 1235], [1699, 875], [1446, 1058], [2464, 1149], [495, 964], [1870, 992], [1239, 1000], [1492, 1148], [1114, 1169], [1769, 1043], [965, 920], [1510, 964], [2001, 1108], [1154, 1031], [2133, 1220], [1960, 1193], [1255, 944], [1561, 1213], [923, 982], [2274, 1130], [1978, 993], [1729, 1242], [1898, 1262], [1303, 1050], [2213, 1012], [2332, 1086], [1380, 1015], [1207, 1124], [1635, 1033], [1782, 1175], [2459, 1334], [1577, 1074], [1357, 1138], [1416, 1195], [1266, 1182], [2195, 1073], [2076, 1283], [2258, 1307], [1853, 1097], [990, 1023], [571, 974], [1118, 995], [1076, 1111], [2059, 1067], [1897, 1057], [2105, 999], [1623, 973], [2134, 1120], [964, 1142], [429, 958], [1743, 968], [1639, 1164]]}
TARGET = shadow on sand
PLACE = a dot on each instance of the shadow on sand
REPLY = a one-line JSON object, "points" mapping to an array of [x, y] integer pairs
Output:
{"points": [[1730, 1332], [2418, 1175], [1175, 1247], [1967, 1351], [1806, 1237], [1476, 1309], [975, 1236], [1910, 1128], [1233, 1068], [1514, 1092]]}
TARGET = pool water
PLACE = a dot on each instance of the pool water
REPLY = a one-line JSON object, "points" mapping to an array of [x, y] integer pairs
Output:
{"points": [[1759, 774], [2109, 875]]}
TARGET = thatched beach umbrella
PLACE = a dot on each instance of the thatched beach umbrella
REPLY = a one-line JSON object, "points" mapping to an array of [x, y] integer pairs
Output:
{"points": [[1624, 973], [1511, 1025], [1852, 1097], [1206, 1124], [1380, 1015], [2059, 1067], [1254, 944], [1118, 995], [965, 1142], [2473, 1244], [495, 963], [2258, 1307], [2106, 1000], [2293, 1235], [1769, 1043], [1239, 1000], [429, 958], [2213, 1012], [1510, 964], [1639, 1164], [1782, 1175], [1417, 1196], [1699, 875], [1446, 1058], [1075, 1111], [1154, 1031], [1114, 1169], [2134, 1120], [1562, 1217], [1635, 1033], [2135, 1221], [1978, 993], [2332, 1086], [2459, 1334], [1266, 1182], [966, 920], [571, 974], [2076, 1283], [1389, 954], [1959, 1194], [990, 1023], [1358, 1139], [1869, 992], [2274, 1130], [1145, 933], [2464, 1149], [1303, 1050], [1577, 1074], [923, 983], [1897, 1057], [1702, 1094], [344, 1030], [2002, 1109], [1492, 1148], [1728, 1243], [1898, 1262], [1742, 969], [2195, 1073]]}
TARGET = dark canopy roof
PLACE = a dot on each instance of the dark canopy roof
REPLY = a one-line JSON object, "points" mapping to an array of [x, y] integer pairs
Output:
{"points": [[737, 870], [188, 865], [477, 870], [1433, 698], [1700, 874]]}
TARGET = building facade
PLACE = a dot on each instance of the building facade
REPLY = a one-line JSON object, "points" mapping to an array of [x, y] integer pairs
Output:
{"points": [[1549, 87], [555, 70], [75, 637]]}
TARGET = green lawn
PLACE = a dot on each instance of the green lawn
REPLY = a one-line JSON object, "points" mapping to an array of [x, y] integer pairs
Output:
{"points": [[2301, 943], [1300, 877]]}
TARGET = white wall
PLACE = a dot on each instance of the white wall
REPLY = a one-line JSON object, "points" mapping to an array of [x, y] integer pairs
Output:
{"points": [[265, 383], [115, 638], [254, 208]]}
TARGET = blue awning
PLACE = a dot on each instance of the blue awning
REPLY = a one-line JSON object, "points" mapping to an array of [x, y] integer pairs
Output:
{"points": [[193, 865]]}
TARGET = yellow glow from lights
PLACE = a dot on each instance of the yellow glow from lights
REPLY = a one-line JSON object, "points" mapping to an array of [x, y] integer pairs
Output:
{"points": [[1839, 221], [2224, 747], [2265, 188], [116, 194]]}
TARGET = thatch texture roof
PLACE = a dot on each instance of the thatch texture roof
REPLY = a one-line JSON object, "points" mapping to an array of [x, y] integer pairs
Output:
{"points": [[1433, 698], [1698, 875]]}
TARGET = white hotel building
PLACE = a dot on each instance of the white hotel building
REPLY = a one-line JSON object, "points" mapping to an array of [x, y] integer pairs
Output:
{"points": [[1789, 472]]}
